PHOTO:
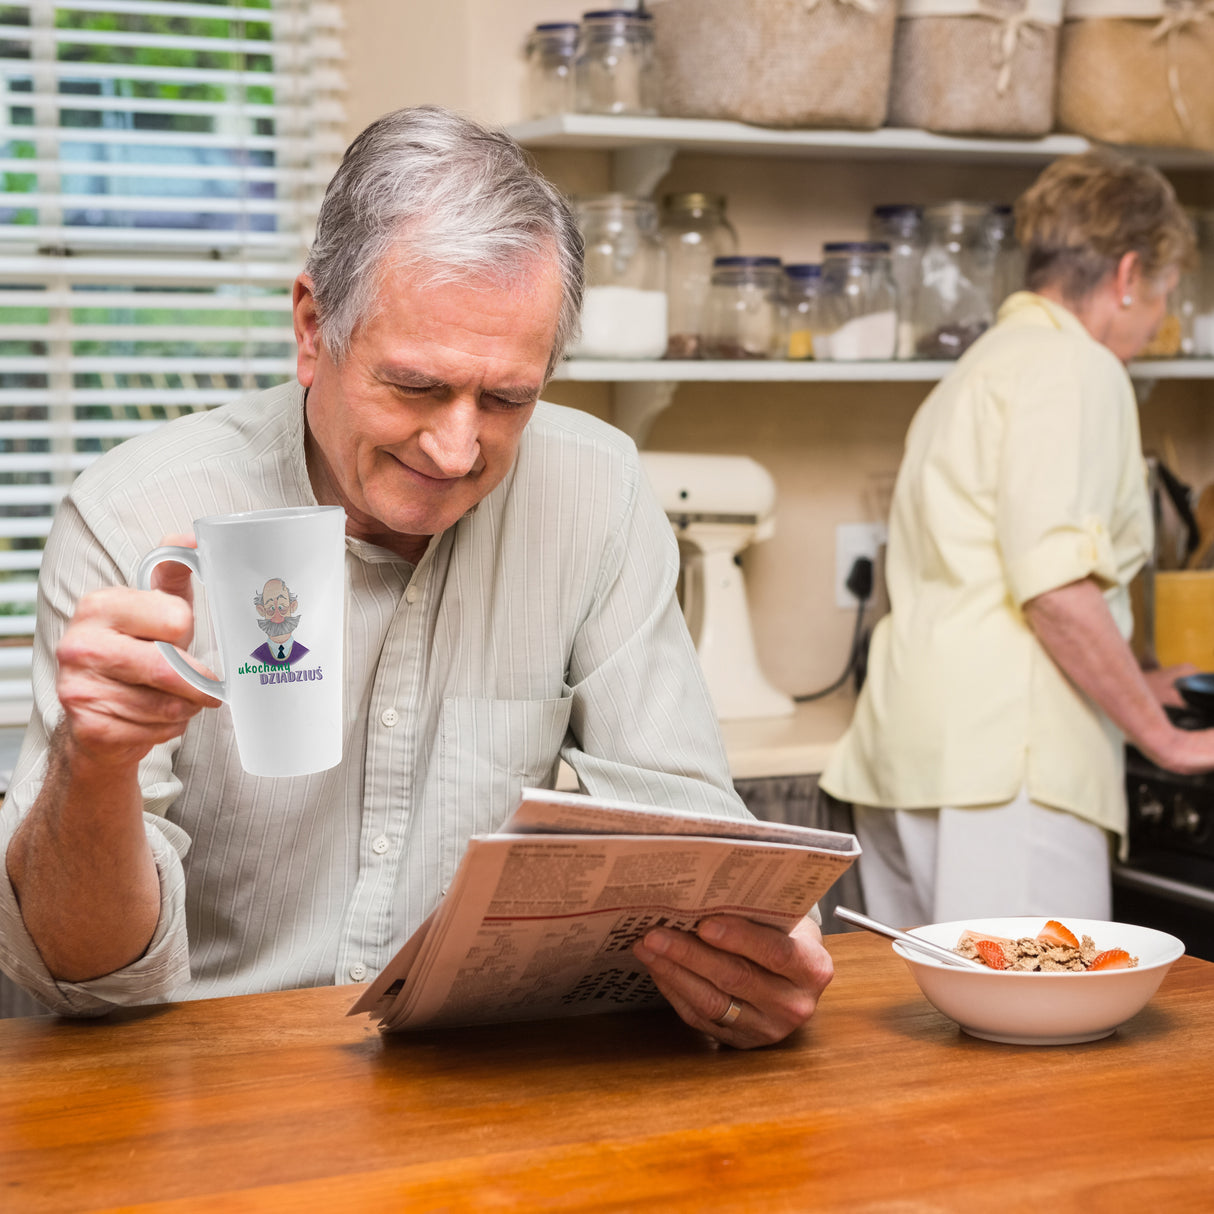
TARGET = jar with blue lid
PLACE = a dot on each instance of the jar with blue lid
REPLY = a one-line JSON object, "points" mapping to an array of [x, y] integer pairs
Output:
{"points": [[745, 308], [614, 71], [551, 51], [858, 303], [802, 286]]}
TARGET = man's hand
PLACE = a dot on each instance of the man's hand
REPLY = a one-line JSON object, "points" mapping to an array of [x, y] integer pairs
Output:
{"points": [[776, 979], [119, 696]]}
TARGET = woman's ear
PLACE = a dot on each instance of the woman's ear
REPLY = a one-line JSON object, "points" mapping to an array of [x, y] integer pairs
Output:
{"points": [[1128, 278]]}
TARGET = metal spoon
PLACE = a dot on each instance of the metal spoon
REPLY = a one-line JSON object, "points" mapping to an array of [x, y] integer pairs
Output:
{"points": [[935, 951]]}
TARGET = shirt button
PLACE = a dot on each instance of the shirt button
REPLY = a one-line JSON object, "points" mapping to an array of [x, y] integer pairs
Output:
{"points": [[412, 594], [380, 845], [358, 971], [389, 716]]}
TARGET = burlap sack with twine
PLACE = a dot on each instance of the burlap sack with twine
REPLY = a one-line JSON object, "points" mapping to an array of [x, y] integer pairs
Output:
{"points": [[975, 67], [1138, 72], [810, 63]]}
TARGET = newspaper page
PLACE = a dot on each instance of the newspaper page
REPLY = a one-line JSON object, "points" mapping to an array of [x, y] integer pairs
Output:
{"points": [[541, 917]]}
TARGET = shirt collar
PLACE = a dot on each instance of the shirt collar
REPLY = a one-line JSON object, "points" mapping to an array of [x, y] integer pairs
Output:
{"points": [[1028, 306]]}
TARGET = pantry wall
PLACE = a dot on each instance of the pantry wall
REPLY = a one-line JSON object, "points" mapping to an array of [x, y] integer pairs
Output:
{"points": [[833, 448]]}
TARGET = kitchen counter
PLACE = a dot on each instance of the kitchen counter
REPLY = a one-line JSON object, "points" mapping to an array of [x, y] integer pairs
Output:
{"points": [[776, 746]]}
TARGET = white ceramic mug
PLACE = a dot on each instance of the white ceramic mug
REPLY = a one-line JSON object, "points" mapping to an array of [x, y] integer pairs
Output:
{"points": [[275, 584]]}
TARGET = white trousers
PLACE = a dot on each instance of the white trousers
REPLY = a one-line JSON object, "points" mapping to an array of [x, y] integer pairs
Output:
{"points": [[936, 865]]}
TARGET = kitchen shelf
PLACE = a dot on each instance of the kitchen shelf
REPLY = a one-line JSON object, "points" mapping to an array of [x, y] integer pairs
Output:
{"points": [[620, 133], [782, 371]]}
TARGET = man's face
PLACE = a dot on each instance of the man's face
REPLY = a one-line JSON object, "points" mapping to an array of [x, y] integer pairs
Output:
{"points": [[423, 417], [276, 608]]}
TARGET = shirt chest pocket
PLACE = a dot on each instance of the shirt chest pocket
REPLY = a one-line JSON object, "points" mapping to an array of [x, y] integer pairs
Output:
{"points": [[490, 751]]}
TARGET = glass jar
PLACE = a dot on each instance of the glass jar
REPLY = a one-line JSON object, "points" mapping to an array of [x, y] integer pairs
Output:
{"points": [[802, 284], [695, 232], [745, 308], [857, 303], [551, 49], [1203, 289], [614, 72], [1007, 262], [953, 305], [900, 225], [624, 306]]}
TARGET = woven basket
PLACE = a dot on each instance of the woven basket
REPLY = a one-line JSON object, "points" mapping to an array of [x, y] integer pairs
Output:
{"points": [[989, 71], [1145, 80], [775, 62]]}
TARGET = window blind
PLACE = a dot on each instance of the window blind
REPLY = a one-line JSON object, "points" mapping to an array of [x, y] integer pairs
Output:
{"points": [[162, 166]]}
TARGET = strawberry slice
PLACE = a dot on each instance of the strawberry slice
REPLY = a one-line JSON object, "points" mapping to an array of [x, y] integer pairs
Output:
{"points": [[969, 936], [1054, 933], [991, 954], [1111, 959]]}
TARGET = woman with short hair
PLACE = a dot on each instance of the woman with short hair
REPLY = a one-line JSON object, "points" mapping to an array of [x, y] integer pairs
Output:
{"points": [[985, 761]]}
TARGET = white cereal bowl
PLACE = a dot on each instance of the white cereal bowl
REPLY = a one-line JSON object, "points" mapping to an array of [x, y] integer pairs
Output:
{"points": [[1036, 1008]]}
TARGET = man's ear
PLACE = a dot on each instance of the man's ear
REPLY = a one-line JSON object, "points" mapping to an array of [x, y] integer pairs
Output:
{"points": [[261, 611], [294, 607], [306, 320]]}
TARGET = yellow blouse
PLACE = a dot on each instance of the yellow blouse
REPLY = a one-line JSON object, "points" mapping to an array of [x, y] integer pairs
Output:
{"points": [[1023, 471]]}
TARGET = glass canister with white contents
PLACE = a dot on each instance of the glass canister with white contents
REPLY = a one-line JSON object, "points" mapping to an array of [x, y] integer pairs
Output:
{"points": [[551, 51], [900, 225], [857, 303], [614, 69], [696, 232], [745, 308], [624, 306]]}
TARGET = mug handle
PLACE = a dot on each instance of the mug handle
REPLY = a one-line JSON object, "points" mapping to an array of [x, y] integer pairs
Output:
{"points": [[188, 557]]}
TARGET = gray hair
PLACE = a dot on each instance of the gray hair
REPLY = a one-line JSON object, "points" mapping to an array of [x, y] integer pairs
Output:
{"points": [[432, 191]]}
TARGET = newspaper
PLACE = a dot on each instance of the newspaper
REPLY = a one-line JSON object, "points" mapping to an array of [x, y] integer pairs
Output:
{"points": [[541, 916]]}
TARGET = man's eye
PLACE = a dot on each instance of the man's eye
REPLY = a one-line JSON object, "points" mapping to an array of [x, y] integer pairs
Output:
{"points": [[498, 402]]}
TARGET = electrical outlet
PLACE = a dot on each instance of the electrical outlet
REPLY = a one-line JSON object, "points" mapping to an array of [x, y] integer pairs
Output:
{"points": [[854, 540]]}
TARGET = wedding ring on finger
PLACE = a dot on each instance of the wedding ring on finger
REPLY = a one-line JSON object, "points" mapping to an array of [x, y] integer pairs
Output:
{"points": [[731, 1013]]}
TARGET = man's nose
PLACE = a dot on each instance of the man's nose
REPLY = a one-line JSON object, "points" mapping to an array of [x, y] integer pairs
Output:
{"points": [[451, 439]]}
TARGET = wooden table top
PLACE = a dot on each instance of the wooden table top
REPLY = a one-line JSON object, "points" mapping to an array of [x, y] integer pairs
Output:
{"points": [[280, 1102]]}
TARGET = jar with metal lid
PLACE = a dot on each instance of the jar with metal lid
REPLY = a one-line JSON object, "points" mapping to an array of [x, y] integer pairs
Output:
{"points": [[857, 303], [953, 305], [1007, 261], [900, 225], [613, 71], [802, 285], [745, 308], [695, 232], [624, 306], [551, 50]]}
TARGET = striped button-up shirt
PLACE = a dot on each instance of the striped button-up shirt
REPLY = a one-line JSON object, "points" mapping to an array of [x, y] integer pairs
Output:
{"points": [[542, 625]]}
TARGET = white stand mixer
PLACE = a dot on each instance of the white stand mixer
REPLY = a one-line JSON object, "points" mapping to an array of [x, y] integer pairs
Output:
{"points": [[718, 505]]}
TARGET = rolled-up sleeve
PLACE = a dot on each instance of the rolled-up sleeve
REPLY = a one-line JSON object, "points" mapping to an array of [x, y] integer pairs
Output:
{"points": [[1060, 471], [163, 967]]}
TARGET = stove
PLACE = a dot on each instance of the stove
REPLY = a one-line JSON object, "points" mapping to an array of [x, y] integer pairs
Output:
{"points": [[1167, 879]]}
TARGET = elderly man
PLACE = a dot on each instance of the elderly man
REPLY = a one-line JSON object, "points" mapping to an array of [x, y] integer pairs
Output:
{"points": [[511, 602]]}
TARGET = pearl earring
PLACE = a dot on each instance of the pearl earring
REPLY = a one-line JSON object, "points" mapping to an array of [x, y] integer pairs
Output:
{"points": [[1127, 300]]}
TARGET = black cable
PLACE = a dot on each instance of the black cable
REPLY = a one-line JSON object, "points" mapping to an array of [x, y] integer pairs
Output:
{"points": [[860, 583]]}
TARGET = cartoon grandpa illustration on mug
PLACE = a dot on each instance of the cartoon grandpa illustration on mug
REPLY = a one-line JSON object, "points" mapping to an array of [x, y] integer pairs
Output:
{"points": [[278, 609]]}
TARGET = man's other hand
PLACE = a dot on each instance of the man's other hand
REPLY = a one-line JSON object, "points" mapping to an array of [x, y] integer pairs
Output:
{"points": [[773, 979]]}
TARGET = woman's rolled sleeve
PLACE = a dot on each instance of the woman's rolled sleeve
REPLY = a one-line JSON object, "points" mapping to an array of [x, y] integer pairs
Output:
{"points": [[1064, 554], [1059, 479]]}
